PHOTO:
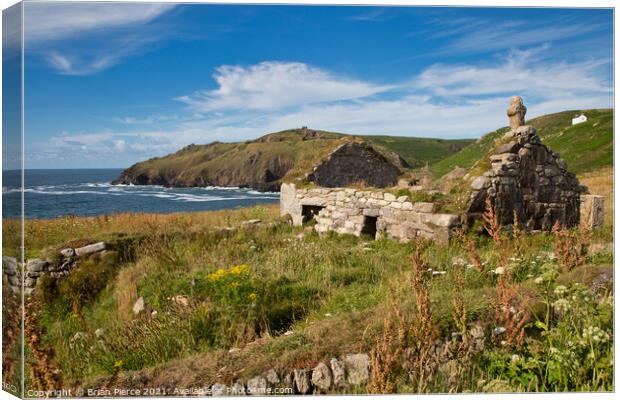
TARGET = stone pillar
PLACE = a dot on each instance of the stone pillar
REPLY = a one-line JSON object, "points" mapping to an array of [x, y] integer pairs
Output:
{"points": [[289, 203], [592, 211]]}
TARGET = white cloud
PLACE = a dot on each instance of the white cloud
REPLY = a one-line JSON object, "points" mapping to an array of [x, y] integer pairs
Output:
{"points": [[51, 21], [444, 101], [484, 35], [273, 85], [107, 33], [120, 145], [520, 72]]}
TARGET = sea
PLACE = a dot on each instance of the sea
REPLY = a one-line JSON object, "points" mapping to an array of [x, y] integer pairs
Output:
{"points": [[51, 193]]}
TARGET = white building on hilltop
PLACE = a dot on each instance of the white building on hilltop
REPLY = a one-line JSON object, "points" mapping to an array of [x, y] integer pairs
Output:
{"points": [[579, 119]]}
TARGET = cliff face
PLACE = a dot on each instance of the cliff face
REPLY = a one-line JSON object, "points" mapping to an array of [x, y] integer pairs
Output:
{"points": [[264, 163]]}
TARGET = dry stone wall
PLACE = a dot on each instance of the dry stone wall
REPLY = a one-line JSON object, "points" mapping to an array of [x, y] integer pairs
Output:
{"points": [[36, 267], [376, 213]]}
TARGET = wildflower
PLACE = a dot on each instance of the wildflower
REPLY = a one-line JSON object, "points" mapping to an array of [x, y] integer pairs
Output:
{"points": [[515, 358], [560, 290], [118, 363], [561, 305], [499, 270], [499, 330], [539, 280], [253, 296]]}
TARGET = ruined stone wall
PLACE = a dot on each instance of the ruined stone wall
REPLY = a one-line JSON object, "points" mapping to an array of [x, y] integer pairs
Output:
{"points": [[528, 179], [355, 212], [36, 267], [355, 163]]}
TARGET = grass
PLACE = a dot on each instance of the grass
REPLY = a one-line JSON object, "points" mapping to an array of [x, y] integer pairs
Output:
{"points": [[247, 286], [586, 146]]}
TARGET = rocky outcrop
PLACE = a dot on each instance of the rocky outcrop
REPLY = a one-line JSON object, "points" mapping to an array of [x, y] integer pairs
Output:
{"points": [[355, 163], [526, 180]]}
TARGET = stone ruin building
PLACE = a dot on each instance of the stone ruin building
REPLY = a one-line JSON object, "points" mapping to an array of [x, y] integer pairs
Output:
{"points": [[525, 180], [528, 181]]}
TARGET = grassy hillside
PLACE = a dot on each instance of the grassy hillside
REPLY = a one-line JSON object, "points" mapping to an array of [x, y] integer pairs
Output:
{"points": [[263, 162], [276, 296], [585, 146], [419, 151]]}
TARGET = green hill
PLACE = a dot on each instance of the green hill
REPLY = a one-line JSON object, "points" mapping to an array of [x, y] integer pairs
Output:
{"points": [[585, 147], [264, 162]]}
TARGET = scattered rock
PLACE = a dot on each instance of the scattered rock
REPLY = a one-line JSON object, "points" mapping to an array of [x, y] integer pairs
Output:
{"points": [[237, 389], [139, 306], [66, 253], [338, 372], [272, 377], [219, 389], [180, 300], [90, 249], [322, 377], [358, 368], [257, 386], [302, 381], [36, 265]]}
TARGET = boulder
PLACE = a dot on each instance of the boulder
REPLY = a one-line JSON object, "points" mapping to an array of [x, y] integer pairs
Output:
{"points": [[9, 265], [257, 386], [357, 367], [301, 377], [36, 265], [338, 372], [219, 389], [322, 377], [139, 306], [90, 249], [272, 377], [237, 389], [66, 253]]}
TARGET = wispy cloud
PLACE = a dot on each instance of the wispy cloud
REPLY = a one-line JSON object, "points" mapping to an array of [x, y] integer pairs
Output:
{"points": [[52, 21], [520, 72], [113, 31], [374, 14], [273, 85]]}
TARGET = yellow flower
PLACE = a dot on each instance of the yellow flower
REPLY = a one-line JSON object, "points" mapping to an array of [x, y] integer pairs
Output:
{"points": [[253, 296], [118, 364], [234, 285]]}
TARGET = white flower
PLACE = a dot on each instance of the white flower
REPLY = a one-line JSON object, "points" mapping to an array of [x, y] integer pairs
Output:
{"points": [[515, 358], [499, 270], [539, 280], [560, 290], [561, 305]]}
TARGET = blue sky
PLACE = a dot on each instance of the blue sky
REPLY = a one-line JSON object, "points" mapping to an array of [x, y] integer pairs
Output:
{"points": [[110, 84]]}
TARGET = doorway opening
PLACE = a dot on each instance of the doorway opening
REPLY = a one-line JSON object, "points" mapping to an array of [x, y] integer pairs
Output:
{"points": [[309, 213], [370, 227]]}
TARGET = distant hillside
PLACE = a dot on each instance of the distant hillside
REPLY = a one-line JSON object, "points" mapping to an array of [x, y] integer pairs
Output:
{"points": [[264, 162], [585, 146]]}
